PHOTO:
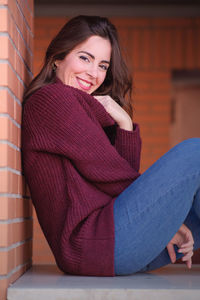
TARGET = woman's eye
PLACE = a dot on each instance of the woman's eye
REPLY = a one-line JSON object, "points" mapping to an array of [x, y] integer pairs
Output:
{"points": [[85, 58], [104, 67]]}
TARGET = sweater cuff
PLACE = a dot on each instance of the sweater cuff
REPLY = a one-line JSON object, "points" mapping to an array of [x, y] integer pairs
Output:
{"points": [[123, 135], [128, 144]]}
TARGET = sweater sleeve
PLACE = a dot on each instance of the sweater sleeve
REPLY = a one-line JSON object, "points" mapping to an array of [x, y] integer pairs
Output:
{"points": [[128, 144], [58, 124]]}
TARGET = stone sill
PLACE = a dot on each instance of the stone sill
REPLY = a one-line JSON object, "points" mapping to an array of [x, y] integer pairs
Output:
{"points": [[46, 282]]}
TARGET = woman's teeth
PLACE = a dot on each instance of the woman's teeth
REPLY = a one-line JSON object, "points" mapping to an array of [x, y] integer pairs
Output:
{"points": [[86, 84]]}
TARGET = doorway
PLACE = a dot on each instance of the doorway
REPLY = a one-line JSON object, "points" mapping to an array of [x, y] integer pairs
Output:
{"points": [[185, 106], [185, 112]]}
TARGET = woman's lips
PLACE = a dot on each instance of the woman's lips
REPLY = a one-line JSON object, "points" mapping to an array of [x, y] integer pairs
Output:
{"points": [[85, 85]]}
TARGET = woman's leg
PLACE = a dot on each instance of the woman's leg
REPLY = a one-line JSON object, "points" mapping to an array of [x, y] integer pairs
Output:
{"points": [[151, 210]]}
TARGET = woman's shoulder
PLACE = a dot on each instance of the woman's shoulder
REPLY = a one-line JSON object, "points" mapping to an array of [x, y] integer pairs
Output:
{"points": [[55, 89], [57, 93]]}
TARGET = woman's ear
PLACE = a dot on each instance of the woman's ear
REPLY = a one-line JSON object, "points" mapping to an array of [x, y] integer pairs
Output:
{"points": [[56, 63]]}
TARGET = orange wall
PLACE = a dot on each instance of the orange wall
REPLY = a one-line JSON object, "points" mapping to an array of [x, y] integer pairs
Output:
{"points": [[16, 46], [154, 47]]}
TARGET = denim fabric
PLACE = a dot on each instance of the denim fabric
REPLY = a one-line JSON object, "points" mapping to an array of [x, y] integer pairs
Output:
{"points": [[150, 211]]}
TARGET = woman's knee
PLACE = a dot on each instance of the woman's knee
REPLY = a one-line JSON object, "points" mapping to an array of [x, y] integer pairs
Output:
{"points": [[186, 155], [190, 142], [190, 148]]}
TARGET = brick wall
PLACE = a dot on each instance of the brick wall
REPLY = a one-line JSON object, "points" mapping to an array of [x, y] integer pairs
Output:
{"points": [[154, 47], [16, 48]]}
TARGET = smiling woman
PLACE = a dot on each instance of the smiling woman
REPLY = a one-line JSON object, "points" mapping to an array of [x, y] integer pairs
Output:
{"points": [[72, 111], [81, 158]]}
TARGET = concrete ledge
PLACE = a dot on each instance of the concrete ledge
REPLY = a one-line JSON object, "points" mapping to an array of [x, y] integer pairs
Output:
{"points": [[48, 283]]}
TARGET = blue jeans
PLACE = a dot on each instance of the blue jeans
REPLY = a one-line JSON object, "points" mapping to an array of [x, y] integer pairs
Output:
{"points": [[150, 211]]}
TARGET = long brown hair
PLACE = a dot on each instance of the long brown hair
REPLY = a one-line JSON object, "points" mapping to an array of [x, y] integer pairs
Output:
{"points": [[118, 81]]}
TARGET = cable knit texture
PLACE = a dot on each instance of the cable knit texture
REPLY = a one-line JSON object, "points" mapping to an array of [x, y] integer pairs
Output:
{"points": [[76, 161]]}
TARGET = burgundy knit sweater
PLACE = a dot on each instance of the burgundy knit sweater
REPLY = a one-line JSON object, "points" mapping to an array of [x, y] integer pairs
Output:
{"points": [[76, 161]]}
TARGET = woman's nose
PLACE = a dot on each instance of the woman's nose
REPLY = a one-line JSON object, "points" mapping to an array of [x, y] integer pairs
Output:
{"points": [[92, 71]]}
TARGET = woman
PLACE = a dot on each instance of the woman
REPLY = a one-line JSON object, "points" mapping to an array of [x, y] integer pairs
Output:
{"points": [[81, 154]]}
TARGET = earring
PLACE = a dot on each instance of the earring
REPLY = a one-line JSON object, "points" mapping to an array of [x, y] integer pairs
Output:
{"points": [[54, 67]]}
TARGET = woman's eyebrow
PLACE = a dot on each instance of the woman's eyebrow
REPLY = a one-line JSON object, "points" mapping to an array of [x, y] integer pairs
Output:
{"points": [[92, 56]]}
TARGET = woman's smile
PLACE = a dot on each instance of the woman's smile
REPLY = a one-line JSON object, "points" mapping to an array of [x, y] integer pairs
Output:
{"points": [[84, 84]]}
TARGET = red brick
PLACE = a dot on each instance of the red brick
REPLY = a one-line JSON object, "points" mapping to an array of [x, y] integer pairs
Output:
{"points": [[152, 75], [4, 283], [10, 157], [197, 43], [146, 49], [30, 5], [13, 258], [4, 47], [4, 19], [15, 232], [26, 12], [178, 48], [167, 42], [15, 208], [171, 22], [190, 48], [19, 19], [136, 48], [131, 22]]}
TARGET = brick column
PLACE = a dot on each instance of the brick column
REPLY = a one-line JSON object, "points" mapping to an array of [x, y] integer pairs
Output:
{"points": [[16, 46]]}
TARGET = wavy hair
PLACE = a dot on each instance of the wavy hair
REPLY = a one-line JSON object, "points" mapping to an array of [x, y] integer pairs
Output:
{"points": [[118, 81]]}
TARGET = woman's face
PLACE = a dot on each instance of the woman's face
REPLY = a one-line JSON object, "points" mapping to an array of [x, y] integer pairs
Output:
{"points": [[85, 67]]}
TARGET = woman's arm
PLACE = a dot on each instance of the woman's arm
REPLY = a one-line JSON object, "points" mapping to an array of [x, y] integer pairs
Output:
{"points": [[59, 124], [127, 140]]}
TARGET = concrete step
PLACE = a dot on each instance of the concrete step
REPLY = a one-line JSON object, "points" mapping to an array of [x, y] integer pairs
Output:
{"points": [[48, 283]]}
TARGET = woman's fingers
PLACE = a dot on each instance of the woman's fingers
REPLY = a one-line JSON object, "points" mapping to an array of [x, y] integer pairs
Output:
{"points": [[189, 263], [185, 242], [185, 250], [171, 252], [187, 234], [188, 260], [188, 244], [188, 255]]}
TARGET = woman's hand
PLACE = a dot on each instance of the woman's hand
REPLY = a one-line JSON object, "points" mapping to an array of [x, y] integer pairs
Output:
{"points": [[184, 241], [116, 111]]}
